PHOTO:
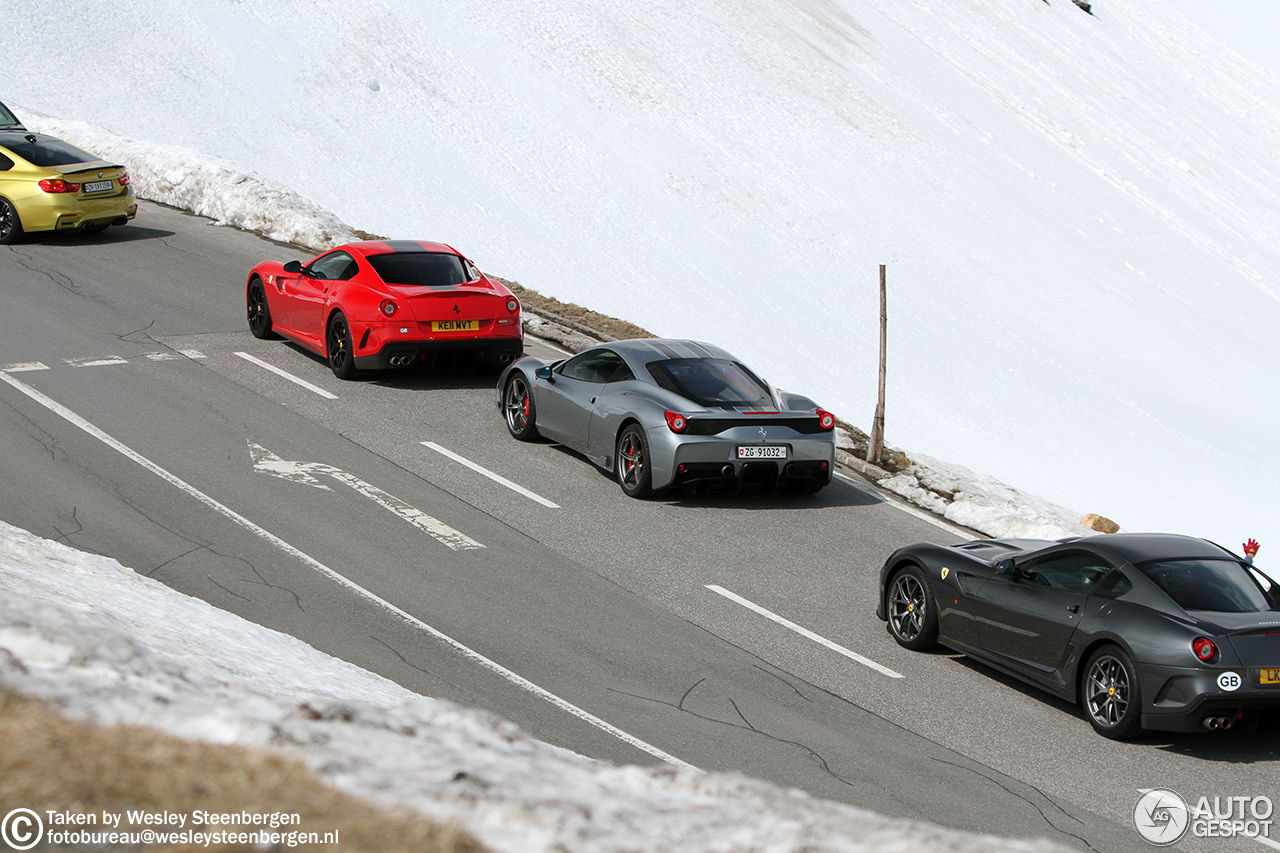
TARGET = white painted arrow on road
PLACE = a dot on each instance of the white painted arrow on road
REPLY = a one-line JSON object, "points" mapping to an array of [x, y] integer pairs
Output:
{"points": [[302, 472]]}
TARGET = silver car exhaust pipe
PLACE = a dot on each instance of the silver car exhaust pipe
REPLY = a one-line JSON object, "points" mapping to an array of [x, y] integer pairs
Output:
{"points": [[1216, 724]]}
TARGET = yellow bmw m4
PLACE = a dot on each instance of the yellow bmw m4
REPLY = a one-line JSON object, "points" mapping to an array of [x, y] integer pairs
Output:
{"points": [[50, 185]]}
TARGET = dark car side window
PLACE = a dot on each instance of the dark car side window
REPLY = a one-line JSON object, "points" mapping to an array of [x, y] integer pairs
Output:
{"points": [[598, 366], [5, 163], [1075, 572]]}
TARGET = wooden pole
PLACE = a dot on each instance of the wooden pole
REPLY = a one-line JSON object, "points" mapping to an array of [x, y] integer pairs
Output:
{"points": [[875, 452]]}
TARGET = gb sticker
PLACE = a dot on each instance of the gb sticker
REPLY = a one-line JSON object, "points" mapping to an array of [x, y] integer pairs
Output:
{"points": [[1230, 681]]}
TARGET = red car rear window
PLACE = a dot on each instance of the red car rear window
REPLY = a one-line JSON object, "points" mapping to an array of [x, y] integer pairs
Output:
{"points": [[422, 269]]}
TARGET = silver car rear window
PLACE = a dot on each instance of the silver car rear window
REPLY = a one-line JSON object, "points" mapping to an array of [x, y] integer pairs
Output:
{"points": [[711, 382]]}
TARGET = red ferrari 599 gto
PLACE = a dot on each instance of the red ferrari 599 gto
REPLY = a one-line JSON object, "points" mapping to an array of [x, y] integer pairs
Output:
{"points": [[385, 304]]}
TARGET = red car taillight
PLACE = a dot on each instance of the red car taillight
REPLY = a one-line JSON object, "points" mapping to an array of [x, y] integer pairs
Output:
{"points": [[1204, 649], [513, 305], [388, 308], [826, 420], [124, 179], [676, 422], [57, 185]]}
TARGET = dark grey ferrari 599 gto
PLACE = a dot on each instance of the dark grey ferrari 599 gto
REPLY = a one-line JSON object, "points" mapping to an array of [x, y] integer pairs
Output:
{"points": [[1145, 631], [666, 414]]}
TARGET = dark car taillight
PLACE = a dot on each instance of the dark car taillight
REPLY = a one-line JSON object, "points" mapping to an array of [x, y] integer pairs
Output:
{"points": [[826, 420], [677, 422], [1205, 649]]}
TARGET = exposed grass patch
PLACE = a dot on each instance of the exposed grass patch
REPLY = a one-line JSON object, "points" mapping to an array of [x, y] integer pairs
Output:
{"points": [[611, 326], [49, 762]]}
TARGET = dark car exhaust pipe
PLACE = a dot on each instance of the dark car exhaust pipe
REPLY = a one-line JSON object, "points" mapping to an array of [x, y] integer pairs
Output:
{"points": [[401, 360], [1217, 724], [506, 357], [790, 469], [727, 470]]}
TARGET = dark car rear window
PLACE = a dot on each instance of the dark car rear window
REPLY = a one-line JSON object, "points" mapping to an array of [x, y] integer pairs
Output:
{"points": [[46, 151], [424, 269], [1221, 586], [711, 382]]}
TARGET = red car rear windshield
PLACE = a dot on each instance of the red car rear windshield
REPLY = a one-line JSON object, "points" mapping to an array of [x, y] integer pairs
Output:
{"points": [[422, 269], [46, 152]]}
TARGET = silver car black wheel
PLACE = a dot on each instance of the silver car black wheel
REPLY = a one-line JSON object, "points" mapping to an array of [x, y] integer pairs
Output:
{"points": [[632, 463], [518, 408]]}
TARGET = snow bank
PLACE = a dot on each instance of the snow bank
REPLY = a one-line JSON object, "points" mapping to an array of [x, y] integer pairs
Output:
{"points": [[112, 646], [188, 180]]}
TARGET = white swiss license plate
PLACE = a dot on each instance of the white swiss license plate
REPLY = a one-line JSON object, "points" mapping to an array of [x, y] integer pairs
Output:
{"points": [[762, 451], [97, 186]]}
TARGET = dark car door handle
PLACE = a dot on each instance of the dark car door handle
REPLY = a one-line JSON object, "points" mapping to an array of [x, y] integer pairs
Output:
{"points": [[1074, 608]]}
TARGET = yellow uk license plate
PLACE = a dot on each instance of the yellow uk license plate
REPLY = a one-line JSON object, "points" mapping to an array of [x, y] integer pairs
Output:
{"points": [[1269, 676], [455, 325]]}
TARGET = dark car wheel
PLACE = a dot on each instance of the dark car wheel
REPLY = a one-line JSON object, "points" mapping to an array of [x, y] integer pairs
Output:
{"points": [[913, 615], [10, 225], [258, 309], [632, 463], [518, 407], [1111, 694], [342, 359]]}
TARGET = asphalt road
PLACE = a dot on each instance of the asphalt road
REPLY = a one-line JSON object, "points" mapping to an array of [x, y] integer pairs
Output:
{"points": [[137, 420]]}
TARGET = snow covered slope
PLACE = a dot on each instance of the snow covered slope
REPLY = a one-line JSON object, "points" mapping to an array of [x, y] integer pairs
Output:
{"points": [[1078, 212]]}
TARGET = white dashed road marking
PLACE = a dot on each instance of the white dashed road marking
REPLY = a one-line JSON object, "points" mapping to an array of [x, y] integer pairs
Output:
{"points": [[304, 383], [804, 632], [497, 478], [96, 362]]}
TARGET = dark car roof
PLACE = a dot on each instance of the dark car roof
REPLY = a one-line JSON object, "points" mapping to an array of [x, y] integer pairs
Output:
{"points": [[1141, 547]]}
